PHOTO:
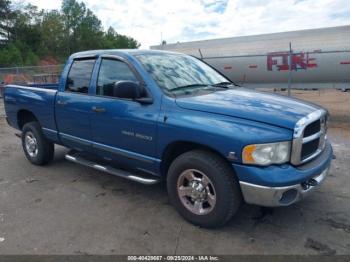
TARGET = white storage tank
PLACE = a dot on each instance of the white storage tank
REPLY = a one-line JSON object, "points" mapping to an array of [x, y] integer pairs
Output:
{"points": [[320, 57]]}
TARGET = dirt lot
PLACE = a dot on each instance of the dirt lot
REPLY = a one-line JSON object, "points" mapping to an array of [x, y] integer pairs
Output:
{"points": [[337, 103], [65, 208]]}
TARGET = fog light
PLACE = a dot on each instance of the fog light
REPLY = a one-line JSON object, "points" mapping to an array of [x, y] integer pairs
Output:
{"points": [[289, 196]]}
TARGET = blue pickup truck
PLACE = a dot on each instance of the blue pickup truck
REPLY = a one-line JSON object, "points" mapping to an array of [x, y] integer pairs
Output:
{"points": [[152, 116]]}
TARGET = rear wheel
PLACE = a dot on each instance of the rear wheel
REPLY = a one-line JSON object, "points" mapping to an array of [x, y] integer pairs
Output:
{"points": [[203, 188], [38, 150]]}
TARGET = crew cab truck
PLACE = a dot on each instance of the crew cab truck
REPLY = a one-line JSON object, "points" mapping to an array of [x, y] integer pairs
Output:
{"points": [[150, 116]]}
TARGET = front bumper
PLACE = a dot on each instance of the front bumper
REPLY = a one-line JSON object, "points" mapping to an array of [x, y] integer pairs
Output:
{"points": [[279, 196], [282, 185]]}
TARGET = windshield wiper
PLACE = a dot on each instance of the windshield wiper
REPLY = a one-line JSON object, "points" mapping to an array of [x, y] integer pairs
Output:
{"points": [[187, 86], [223, 84], [209, 86]]}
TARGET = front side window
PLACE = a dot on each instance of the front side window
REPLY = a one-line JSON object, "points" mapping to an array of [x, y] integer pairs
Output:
{"points": [[176, 72], [79, 76], [112, 71]]}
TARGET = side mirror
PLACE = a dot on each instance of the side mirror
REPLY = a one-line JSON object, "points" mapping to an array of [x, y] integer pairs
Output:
{"points": [[127, 89], [70, 81]]}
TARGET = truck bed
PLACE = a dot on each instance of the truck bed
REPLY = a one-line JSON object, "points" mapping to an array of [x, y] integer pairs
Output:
{"points": [[45, 86], [38, 99]]}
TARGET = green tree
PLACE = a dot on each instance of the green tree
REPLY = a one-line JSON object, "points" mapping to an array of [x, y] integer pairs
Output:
{"points": [[114, 40], [54, 41], [73, 14], [11, 56], [90, 32], [6, 18], [28, 34], [26, 27], [31, 58]]}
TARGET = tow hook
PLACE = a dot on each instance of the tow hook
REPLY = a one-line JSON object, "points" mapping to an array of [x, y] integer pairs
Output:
{"points": [[309, 183]]}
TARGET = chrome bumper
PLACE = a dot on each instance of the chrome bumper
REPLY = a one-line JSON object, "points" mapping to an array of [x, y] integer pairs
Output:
{"points": [[279, 196]]}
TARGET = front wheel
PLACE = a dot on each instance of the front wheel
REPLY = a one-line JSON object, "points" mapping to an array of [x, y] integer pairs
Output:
{"points": [[38, 150], [203, 188]]}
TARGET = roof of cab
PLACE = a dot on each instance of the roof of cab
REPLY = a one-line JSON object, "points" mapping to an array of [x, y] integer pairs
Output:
{"points": [[125, 52]]}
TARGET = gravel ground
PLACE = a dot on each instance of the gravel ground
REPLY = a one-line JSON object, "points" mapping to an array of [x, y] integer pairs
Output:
{"points": [[337, 102], [65, 208], [2, 109]]}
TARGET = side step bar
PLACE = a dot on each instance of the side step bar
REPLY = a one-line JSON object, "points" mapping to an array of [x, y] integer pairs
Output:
{"points": [[79, 158]]}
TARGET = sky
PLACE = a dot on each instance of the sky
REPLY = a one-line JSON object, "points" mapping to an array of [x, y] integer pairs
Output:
{"points": [[150, 21]]}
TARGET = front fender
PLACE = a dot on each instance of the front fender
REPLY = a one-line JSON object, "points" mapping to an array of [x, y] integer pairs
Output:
{"points": [[221, 133]]}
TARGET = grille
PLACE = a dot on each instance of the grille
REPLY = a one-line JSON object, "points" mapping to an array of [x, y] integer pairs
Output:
{"points": [[309, 148], [309, 137]]}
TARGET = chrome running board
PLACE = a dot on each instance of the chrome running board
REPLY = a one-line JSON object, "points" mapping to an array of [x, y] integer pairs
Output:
{"points": [[77, 157]]}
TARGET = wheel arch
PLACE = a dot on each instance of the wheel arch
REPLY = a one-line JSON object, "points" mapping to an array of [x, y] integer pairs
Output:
{"points": [[177, 148], [25, 116]]}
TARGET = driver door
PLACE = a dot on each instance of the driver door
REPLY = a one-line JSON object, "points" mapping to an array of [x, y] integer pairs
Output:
{"points": [[123, 130]]}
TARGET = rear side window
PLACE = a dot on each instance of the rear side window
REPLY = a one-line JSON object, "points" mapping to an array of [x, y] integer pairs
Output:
{"points": [[112, 71], [79, 76]]}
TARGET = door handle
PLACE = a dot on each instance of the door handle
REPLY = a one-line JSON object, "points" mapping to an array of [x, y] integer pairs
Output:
{"points": [[98, 109], [61, 103]]}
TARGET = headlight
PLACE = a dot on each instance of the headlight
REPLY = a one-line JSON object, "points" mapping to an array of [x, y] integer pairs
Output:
{"points": [[266, 154]]}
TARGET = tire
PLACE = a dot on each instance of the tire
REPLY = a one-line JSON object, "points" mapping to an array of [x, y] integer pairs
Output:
{"points": [[38, 150], [222, 186]]}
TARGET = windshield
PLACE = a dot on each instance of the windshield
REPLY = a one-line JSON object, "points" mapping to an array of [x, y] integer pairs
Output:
{"points": [[179, 73]]}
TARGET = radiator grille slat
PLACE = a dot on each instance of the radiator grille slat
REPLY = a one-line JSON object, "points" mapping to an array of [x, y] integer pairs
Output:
{"points": [[309, 148], [313, 128]]}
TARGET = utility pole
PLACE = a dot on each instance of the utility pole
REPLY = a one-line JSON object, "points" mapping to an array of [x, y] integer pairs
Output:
{"points": [[161, 39], [290, 68], [200, 52]]}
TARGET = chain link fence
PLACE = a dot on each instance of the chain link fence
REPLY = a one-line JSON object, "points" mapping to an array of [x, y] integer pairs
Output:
{"points": [[31, 74], [28, 75]]}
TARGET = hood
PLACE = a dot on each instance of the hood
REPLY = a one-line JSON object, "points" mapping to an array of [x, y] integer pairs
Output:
{"points": [[244, 103]]}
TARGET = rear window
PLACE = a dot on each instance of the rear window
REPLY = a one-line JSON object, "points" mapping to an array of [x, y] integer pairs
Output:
{"points": [[79, 76]]}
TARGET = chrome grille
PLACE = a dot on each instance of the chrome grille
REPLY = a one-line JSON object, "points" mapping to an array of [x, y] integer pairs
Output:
{"points": [[309, 137]]}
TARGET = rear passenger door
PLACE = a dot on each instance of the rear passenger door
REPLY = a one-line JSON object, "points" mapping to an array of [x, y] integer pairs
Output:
{"points": [[123, 130], [73, 108]]}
